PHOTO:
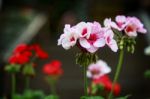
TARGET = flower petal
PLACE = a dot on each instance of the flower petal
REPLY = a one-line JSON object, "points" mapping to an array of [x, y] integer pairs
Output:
{"points": [[84, 43], [100, 42], [113, 45], [92, 49]]}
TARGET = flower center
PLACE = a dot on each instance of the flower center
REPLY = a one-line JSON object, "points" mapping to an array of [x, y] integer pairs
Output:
{"points": [[119, 24], [72, 39], [84, 31], [92, 38], [108, 39], [95, 72], [129, 29]]}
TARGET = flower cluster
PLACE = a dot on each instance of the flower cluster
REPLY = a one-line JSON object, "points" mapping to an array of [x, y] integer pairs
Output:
{"points": [[98, 69], [23, 52], [88, 36], [53, 68], [129, 25]]}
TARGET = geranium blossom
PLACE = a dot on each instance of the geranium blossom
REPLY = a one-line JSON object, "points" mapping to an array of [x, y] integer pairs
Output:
{"points": [[133, 26], [39, 52], [95, 40], [107, 84], [98, 69], [23, 53], [53, 68], [129, 25], [110, 41], [89, 36], [69, 38]]}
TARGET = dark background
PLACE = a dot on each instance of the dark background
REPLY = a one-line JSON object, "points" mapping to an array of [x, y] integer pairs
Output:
{"points": [[17, 15]]}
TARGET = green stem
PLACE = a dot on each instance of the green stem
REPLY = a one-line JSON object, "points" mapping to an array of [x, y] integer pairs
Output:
{"points": [[85, 81], [27, 82], [13, 85], [121, 54], [53, 90]]}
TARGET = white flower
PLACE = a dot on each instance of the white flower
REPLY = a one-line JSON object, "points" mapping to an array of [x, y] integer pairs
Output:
{"points": [[95, 39], [69, 38], [110, 41], [84, 29], [98, 69]]}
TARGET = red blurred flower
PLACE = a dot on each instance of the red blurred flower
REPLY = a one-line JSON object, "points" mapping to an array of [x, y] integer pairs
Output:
{"points": [[23, 53], [107, 83], [40, 53], [18, 59], [20, 48], [53, 68]]}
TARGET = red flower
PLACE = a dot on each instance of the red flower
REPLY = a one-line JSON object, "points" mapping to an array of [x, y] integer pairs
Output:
{"points": [[40, 53], [20, 48], [53, 68], [21, 55], [18, 59], [107, 83]]}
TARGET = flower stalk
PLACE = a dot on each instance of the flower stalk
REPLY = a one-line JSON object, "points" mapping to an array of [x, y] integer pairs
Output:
{"points": [[85, 81], [13, 85], [119, 66]]}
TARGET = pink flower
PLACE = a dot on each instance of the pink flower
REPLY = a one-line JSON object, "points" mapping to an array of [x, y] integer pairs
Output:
{"points": [[84, 29], [110, 41], [98, 69], [69, 38], [95, 40], [133, 26], [119, 24], [130, 25]]}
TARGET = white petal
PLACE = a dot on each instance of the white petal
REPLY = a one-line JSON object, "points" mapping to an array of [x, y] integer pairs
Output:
{"points": [[84, 43], [131, 34], [120, 18], [65, 44], [107, 22], [89, 75], [113, 45], [142, 30], [99, 42], [92, 49]]}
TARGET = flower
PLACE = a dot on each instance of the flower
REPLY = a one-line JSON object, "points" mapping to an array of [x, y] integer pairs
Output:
{"points": [[93, 41], [20, 48], [133, 26], [110, 41], [84, 29], [39, 52], [89, 37], [53, 68], [19, 59], [129, 25], [107, 84], [21, 55], [98, 69], [69, 38]]}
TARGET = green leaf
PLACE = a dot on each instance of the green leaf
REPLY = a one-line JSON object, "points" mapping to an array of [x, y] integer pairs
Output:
{"points": [[91, 97], [38, 95], [28, 70], [28, 94], [52, 97], [12, 68], [147, 74]]}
